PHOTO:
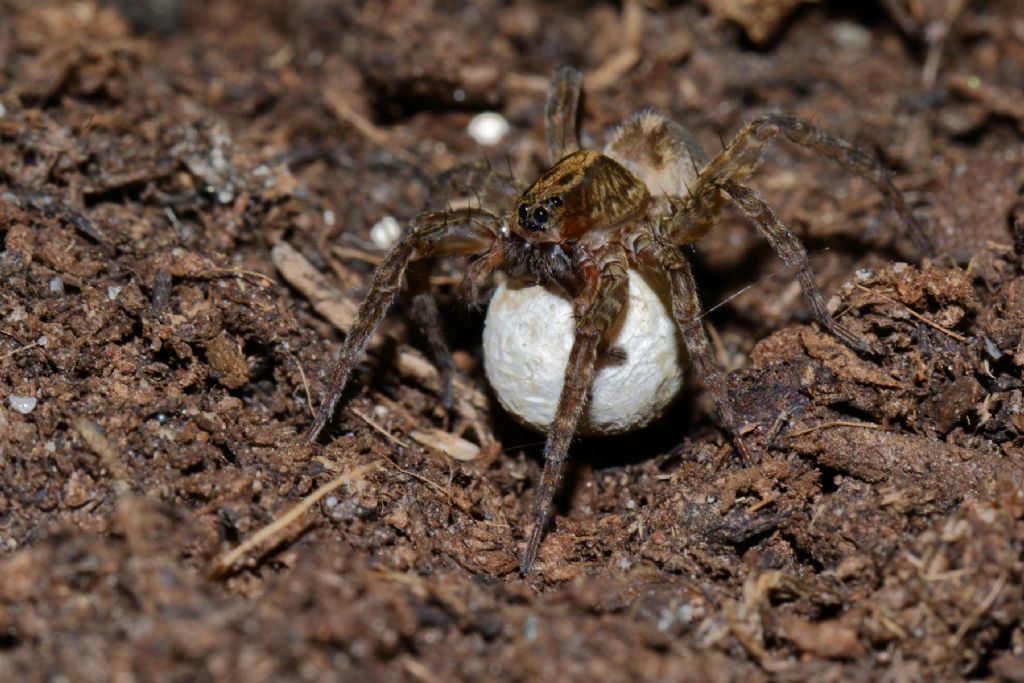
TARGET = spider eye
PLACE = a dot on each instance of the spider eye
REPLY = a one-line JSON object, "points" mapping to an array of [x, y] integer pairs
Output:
{"points": [[540, 215], [522, 213], [555, 202]]}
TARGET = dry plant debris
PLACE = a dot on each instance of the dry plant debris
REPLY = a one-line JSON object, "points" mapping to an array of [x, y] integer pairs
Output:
{"points": [[159, 355]]}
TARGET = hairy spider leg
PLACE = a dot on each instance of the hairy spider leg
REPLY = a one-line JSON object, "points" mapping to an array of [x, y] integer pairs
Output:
{"points": [[745, 153], [426, 316], [493, 189], [434, 234], [667, 260], [597, 309], [560, 111], [793, 253], [667, 157], [721, 179]]}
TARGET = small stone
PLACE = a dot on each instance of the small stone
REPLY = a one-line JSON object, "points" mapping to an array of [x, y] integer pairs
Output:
{"points": [[112, 292], [488, 128], [385, 232], [78, 490], [22, 404], [851, 36]]}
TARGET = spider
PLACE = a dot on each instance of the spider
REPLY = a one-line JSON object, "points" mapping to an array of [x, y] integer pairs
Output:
{"points": [[583, 225]]}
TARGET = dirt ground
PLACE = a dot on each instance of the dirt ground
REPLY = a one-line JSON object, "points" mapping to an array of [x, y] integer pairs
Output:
{"points": [[186, 200]]}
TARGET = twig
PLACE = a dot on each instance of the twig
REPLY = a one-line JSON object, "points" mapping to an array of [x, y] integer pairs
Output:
{"points": [[773, 433], [321, 294], [346, 114], [611, 71], [379, 429], [395, 440], [357, 255], [839, 423], [983, 607], [11, 354], [926, 321], [950, 575], [97, 442], [224, 563], [261, 279], [305, 384]]}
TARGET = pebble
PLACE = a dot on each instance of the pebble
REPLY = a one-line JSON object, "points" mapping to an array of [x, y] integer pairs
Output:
{"points": [[22, 404], [851, 36], [385, 232], [487, 128]]}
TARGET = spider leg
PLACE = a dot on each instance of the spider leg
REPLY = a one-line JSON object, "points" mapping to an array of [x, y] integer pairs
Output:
{"points": [[746, 151], [597, 308], [495, 189], [425, 314], [433, 234], [560, 130], [793, 254], [669, 260], [479, 273]]}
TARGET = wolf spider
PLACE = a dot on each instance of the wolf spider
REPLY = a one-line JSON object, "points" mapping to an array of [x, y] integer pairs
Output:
{"points": [[583, 224]]}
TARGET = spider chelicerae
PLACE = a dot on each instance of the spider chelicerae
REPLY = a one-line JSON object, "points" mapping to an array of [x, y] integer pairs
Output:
{"points": [[583, 225]]}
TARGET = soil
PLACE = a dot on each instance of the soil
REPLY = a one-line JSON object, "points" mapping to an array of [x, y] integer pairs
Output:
{"points": [[186, 198]]}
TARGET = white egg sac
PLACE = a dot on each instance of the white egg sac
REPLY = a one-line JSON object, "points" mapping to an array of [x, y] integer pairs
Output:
{"points": [[527, 338]]}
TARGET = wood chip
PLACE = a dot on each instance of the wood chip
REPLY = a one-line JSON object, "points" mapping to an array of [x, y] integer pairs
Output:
{"points": [[453, 446], [93, 436], [322, 295]]}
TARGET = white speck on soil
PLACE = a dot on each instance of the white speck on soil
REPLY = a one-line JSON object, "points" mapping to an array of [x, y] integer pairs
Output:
{"points": [[22, 404]]}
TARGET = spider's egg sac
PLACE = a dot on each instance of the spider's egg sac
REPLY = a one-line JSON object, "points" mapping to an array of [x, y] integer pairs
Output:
{"points": [[527, 338]]}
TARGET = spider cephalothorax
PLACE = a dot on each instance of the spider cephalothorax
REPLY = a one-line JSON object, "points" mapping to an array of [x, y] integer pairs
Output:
{"points": [[588, 222], [584, 192]]}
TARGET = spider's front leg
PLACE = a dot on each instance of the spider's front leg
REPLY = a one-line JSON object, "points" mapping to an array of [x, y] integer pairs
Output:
{"points": [[433, 234], [669, 261], [560, 110], [477, 180], [597, 309]]}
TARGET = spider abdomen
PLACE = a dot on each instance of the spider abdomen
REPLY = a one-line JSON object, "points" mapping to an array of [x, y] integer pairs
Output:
{"points": [[661, 153]]}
